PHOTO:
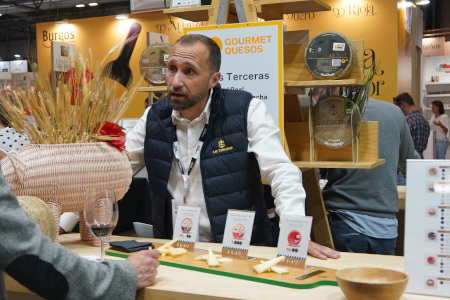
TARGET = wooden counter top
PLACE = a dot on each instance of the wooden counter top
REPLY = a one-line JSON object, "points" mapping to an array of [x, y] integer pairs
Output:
{"points": [[175, 283]]}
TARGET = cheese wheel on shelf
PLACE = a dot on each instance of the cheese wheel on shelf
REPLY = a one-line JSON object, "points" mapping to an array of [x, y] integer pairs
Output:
{"points": [[330, 55], [332, 122]]}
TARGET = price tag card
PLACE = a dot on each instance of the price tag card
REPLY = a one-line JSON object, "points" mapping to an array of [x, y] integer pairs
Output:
{"points": [[238, 233], [294, 240], [186, 227]]}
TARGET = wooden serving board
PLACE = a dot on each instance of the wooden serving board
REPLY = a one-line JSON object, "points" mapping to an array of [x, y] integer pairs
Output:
{"points": [[243, 269]]}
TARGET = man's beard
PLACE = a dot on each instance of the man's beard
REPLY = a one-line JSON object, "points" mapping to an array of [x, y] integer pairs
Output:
{"points": [[189, 101]]}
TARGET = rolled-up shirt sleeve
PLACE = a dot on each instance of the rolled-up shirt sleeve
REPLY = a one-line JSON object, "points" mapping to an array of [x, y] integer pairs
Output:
{"points": [[135, 143], [68, 220], [276, 169]]}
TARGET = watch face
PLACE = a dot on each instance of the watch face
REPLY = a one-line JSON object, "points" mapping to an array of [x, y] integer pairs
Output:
{"points": [[431, 235], [238, 231], [432, 171], [431, 211], [332, 126], [186, 225], [153, 63], [294, 238]]}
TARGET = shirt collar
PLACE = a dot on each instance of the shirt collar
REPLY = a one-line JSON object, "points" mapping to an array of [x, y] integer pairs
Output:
{"points": [[176, 115]]}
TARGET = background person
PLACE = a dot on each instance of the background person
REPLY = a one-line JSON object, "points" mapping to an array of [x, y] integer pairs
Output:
{"points": [[439, 123], [418, 125], [362, 203], [54, 272], [198, 114]]}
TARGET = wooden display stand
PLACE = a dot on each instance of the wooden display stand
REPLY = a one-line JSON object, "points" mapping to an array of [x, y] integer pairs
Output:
{"points": [[153, 89], [297, 142], [300, 144]]}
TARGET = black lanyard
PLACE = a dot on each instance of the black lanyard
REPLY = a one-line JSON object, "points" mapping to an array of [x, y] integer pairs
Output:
{"points": [[194, 158]]}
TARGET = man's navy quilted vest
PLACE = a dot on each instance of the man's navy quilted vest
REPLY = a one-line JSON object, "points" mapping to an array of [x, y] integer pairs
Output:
{"points": [[230, 174]]}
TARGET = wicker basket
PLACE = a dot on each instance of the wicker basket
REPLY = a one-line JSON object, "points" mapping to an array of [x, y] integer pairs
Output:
{"points": [[60, 174]]}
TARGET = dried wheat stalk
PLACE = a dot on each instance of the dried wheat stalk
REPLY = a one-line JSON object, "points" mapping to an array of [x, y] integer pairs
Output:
{"points": [[56, 120]]}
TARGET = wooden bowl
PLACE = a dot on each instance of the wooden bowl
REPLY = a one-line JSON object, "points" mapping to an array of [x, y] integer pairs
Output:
{"points": [[371, 283]]}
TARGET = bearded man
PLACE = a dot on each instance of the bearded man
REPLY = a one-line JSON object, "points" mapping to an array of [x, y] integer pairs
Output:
{"points": [[209, 147]]}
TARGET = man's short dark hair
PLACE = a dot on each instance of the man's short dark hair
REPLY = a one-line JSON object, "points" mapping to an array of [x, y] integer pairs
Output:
{"points": [[404, 97], [215, 56]]}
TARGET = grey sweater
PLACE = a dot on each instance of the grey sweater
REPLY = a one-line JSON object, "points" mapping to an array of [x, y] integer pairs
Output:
{"points": [[374, 191], [49, 269]]}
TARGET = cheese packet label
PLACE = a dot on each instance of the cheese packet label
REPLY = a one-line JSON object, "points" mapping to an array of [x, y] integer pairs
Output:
{"points": [[186, 227], [238, 233], [348, 106], [294, 240]]}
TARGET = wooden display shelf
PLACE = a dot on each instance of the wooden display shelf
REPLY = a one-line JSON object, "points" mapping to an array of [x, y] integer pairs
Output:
{"points": [[154, 89], [316, 83], [338, 164], [194, 14], [297, 74], [266, 9], [297, 137], [275, 9]]}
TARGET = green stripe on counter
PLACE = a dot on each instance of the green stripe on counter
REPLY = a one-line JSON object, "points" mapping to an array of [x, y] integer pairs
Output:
{"points": [[238, 276]]}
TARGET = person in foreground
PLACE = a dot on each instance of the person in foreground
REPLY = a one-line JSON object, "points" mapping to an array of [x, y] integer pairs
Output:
{"points": [[210, 147], [362, 203], [53, 272]]}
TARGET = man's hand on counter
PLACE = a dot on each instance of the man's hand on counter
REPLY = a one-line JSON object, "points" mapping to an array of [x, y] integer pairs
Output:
{"points": [[322, 252], [146, 263]]}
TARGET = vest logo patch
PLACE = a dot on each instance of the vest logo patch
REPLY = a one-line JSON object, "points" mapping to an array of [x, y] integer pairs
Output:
{"points": [[222, 147]]}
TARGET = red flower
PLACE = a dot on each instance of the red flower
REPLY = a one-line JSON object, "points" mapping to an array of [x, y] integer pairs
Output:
{"points": [[115, 133]]}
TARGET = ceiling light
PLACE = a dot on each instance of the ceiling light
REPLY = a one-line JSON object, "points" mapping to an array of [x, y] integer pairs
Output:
{"points": [[80, 5], [121, 17], [422, 2], [404, 4], [93, 3], [17, 55]]}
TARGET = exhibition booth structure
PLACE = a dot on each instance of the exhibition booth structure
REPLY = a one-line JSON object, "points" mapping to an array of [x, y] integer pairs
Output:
{"points": [[285, 53]]}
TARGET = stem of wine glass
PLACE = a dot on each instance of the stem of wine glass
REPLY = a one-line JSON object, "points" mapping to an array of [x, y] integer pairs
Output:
{"points": [[102, 255]]}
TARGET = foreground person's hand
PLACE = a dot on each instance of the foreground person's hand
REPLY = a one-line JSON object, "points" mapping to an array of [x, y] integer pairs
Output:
{"points": [[322, 252], [146, 263]]}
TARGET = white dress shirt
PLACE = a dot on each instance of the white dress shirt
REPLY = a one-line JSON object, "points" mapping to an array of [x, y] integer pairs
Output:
{"points": [[264, 141]]}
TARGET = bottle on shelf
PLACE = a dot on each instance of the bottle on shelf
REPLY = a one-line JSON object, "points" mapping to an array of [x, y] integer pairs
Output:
{"points": [[119, 69]]}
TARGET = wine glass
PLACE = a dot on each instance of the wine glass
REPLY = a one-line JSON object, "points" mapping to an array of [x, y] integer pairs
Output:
{"points": [[101, 213]]}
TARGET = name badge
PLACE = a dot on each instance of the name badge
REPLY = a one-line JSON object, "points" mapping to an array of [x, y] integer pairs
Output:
{"points": [[238, 233], [293, 241], [186, 227]]}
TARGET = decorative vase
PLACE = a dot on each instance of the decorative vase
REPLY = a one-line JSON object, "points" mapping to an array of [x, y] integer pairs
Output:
{"points": [[59, 174]]}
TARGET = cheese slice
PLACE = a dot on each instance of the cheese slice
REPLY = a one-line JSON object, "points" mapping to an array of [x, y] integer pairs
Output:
{"points": [[265, 266], [212, 260]]}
